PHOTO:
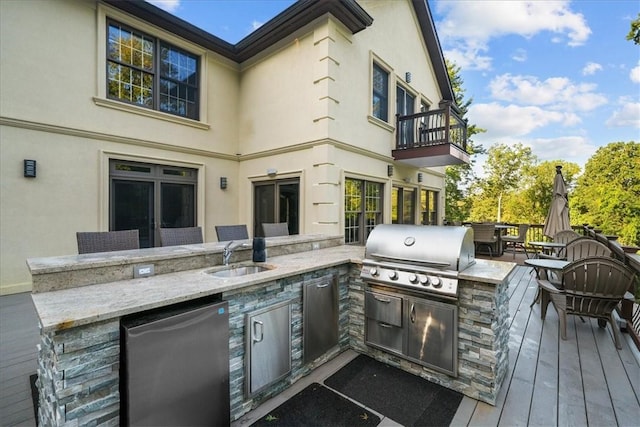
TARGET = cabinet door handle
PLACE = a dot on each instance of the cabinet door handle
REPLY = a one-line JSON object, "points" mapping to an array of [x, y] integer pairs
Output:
{"points": [[384, 300], [385, 325], [412, 313], [255, 328], [322, 286]]}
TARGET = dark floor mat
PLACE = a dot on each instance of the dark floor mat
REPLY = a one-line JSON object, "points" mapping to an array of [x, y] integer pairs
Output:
{"points": [[316, 405], [399, 395]]}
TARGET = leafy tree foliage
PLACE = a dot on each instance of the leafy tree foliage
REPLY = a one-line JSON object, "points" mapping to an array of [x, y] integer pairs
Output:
{"points": [[537, 191], [505, 169], [607, 195], [458, 178], [634, 32]]}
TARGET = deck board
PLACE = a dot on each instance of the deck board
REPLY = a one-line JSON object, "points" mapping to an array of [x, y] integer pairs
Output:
{"points": [[583, 380]]}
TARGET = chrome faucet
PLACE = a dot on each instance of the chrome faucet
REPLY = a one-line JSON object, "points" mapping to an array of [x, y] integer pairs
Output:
{"points": [[228, 251]]}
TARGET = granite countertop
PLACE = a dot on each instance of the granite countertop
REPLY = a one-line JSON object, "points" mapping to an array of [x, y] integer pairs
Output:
{"points": [[84, 305], [67, 308]]}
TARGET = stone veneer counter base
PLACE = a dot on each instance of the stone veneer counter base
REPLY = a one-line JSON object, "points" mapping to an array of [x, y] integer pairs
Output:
{"points": [[79, 357]]}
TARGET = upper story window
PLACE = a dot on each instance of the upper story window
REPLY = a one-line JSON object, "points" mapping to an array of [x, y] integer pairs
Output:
{"points": [[380, 107], [149, 72]]}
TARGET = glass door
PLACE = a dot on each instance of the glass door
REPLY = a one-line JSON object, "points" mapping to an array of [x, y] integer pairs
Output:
{"points": [[148, 197], [404, 107], [276, 201]]}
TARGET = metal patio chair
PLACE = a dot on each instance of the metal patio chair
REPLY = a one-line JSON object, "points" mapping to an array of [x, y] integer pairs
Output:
{"points": [[275, 229], [180, 236], [591, 287], [484, 235], [517, 241], [231, 232], [107, 241]]}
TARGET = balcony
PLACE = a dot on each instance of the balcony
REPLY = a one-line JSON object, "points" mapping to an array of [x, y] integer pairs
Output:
{"points": [[431, 138]]}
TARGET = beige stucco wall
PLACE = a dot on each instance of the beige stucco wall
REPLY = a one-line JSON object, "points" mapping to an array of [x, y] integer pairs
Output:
{"points": [[302, 108]]}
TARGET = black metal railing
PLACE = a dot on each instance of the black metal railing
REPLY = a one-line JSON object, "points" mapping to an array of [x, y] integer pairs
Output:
{"points": [[429, 128]]}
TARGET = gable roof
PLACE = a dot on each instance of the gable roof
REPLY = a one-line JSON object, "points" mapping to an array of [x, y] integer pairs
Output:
{"points": [[301, 13]]}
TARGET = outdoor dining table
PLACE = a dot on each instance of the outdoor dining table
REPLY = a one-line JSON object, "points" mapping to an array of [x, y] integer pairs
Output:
{"points": [[548, 247], [541, 266], [501, 230]]}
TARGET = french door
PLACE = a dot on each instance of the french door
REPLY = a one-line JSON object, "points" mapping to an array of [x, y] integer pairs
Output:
{"points": [[276, 201], [147, 197], [404, 107]]}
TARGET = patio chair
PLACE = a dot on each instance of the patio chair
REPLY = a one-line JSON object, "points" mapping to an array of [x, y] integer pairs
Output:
{"points": [[231, 232], [580, 248], [517, 241], [484, 235], [180, 236], [107, 241], [592, 287], [564, 236], [275, 229]]}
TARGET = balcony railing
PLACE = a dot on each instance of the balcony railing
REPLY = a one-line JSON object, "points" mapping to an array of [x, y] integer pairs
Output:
{"points": [[431, 138]]}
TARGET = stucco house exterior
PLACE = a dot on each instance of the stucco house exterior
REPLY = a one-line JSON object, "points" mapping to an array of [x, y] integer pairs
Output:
{"points": [[137, 119]]}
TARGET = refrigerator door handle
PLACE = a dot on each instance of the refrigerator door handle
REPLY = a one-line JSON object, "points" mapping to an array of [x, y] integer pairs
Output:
{"points": [[256, 330]]}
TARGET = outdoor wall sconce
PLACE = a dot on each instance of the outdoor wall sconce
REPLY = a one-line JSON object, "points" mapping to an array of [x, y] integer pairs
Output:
{"points": [[29, 168], [419, 176], [223, 182], [389, 170], [407, 77], [272, 171]]}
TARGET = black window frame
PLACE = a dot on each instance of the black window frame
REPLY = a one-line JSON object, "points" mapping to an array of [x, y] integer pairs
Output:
{"points": [[380, 98], [159, 77]]}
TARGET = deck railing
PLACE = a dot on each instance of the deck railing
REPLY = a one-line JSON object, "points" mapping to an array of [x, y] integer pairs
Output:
{"points": [[432, 127]]}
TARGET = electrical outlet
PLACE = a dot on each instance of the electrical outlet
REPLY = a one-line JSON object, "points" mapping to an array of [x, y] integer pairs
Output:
{"points": [[315, 245], [143, 270]]}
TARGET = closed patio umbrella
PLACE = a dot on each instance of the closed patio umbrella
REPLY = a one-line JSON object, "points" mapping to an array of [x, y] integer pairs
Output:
{"points": [[558, 216]]}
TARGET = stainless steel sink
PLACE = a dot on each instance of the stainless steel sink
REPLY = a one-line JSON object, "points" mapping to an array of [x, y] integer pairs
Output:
{"points": [[238, 270]]}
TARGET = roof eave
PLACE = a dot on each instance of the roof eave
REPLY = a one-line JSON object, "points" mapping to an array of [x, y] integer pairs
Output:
{"points": [[301, 13]]}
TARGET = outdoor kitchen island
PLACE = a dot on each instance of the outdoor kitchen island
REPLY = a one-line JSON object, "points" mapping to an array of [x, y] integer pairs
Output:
{"points": [[81, 299]]}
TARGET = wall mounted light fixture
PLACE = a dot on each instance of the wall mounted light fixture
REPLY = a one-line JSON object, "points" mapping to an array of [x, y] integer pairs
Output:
{"points": [[407, 77], [419, 176], [389, 170], [272, 171], [29, 168], [223, 182]]}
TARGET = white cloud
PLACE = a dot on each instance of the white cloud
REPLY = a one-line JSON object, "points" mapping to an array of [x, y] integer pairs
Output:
{"points": [[468, 26], [514, 121], [520, 55], [591, 68], [628, 115], [558, 93], [634, 74], [168, 5], [256, 24]]}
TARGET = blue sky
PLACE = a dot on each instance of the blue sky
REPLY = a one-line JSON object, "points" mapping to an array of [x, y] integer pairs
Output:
{"points": [[558, 76]]}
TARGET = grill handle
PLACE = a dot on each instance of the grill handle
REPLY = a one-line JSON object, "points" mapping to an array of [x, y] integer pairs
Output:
{"points": [[412, 313], [424, 262]]}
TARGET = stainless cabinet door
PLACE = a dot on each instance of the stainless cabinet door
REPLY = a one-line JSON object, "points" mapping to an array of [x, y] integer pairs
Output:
{"points": [[433, 334], [268, 335], [320, 317]]}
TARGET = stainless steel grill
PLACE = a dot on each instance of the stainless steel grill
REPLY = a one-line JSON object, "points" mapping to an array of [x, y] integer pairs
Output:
{"points": [[421, 258]]}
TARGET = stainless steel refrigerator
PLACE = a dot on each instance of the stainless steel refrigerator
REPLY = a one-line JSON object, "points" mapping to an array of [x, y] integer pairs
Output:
{"points": [[175, 366]]}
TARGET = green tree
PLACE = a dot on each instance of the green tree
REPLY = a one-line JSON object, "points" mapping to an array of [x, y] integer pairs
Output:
{"points": [[505, 170], [458, 178], [607, 195], [536, 193], [634, 32]]}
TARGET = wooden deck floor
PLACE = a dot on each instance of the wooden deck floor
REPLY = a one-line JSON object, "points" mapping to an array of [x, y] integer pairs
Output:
{"points": [[581, 381]]}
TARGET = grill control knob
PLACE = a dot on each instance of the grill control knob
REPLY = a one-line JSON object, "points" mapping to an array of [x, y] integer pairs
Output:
{"points": [[373, 271], [436, 282], [424, 280], [413, 278], [393, 275]]}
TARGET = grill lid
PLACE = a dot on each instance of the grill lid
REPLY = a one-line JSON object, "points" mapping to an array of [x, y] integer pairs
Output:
{"points": [[432, 246]]}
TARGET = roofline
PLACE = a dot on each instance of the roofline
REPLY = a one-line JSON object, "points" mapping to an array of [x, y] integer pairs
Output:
{"points": [[433, 47], [301, 13]]}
